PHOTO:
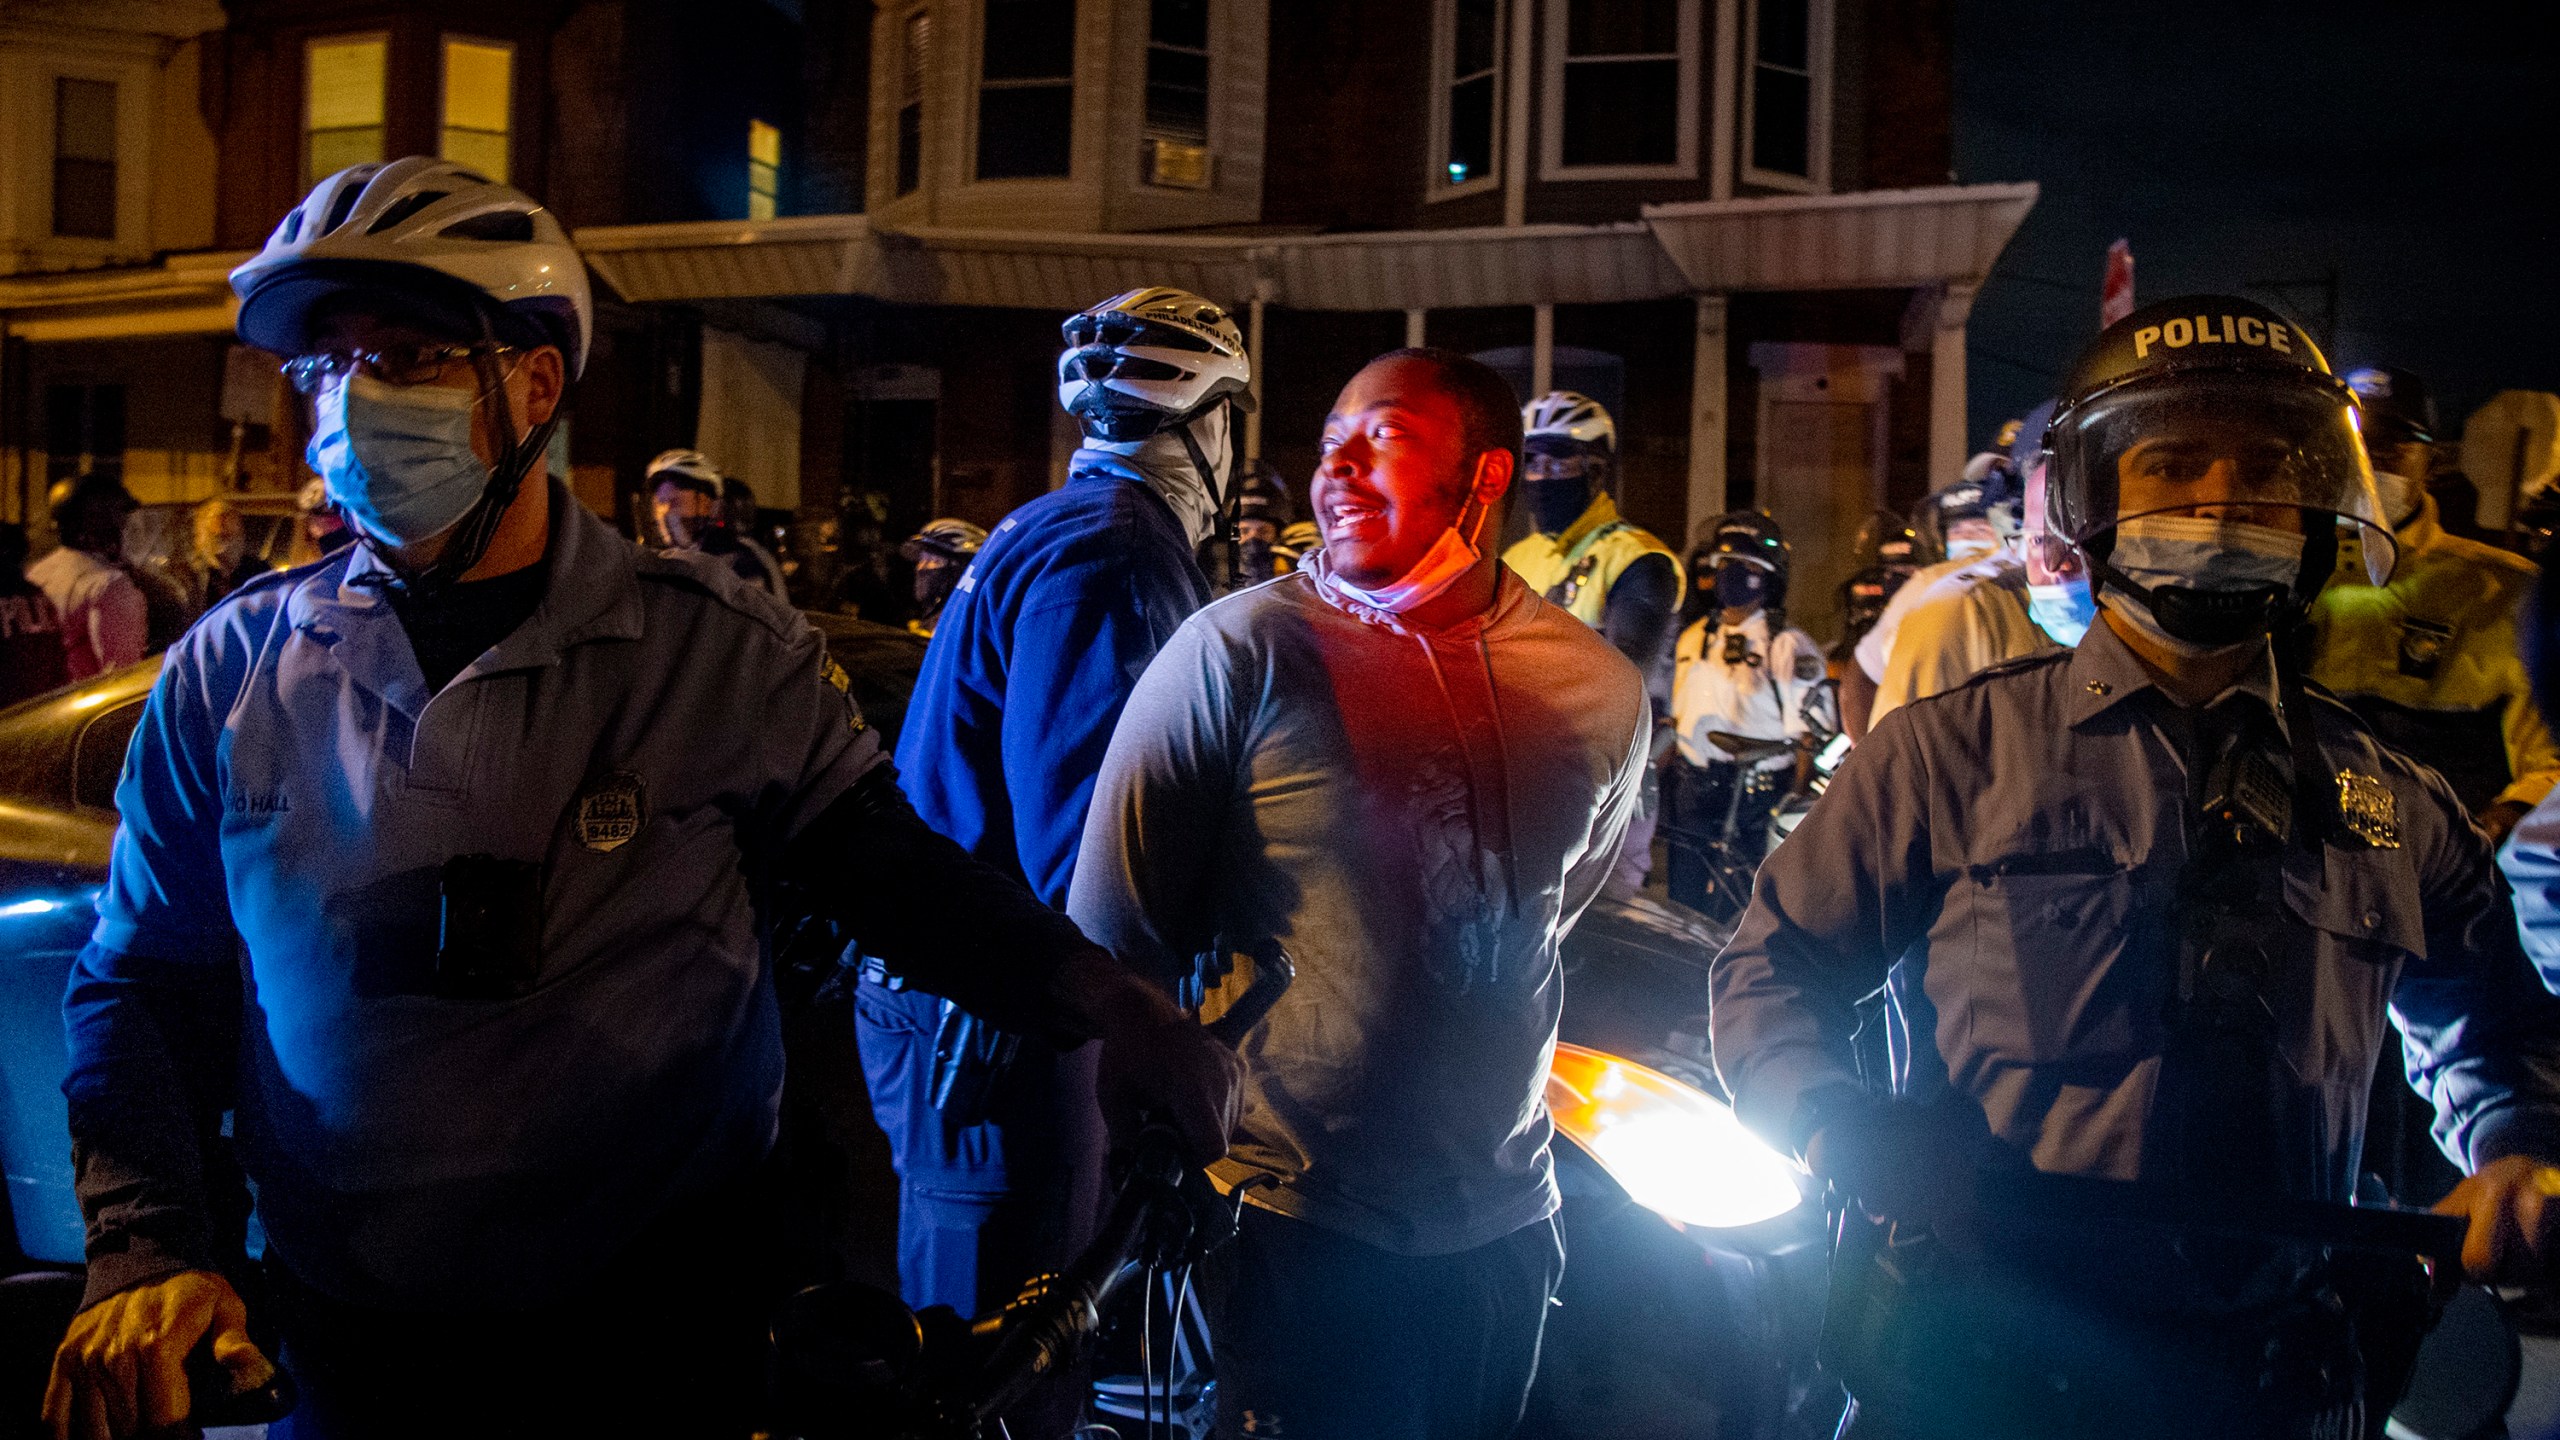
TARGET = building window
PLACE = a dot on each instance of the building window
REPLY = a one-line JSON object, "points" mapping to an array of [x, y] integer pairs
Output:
{"points": [[1787, 135], [342, 103], [479, 81], [83, 431], [911, 72], [1621, 89], [1466, 46], [764, 170], [1026, 89], [1178, 70], [84, 159]]}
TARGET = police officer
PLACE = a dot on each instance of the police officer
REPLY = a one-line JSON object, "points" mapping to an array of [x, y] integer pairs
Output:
{"points": [[1582, 554], [941, 553], [1741, 675], [1967, 526], [2156, 899], [998, 1155], [440, 870], [2430, 660], [1994, 609], [692, 510], [1612, 574], [1887, 552]]}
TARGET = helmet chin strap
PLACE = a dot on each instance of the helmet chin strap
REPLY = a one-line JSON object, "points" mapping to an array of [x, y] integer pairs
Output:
{"points": [[467, 543], [1222, 491]]}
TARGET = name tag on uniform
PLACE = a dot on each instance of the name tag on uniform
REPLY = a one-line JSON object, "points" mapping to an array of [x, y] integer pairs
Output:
{"points": [[611, 811], [2369, 809]]}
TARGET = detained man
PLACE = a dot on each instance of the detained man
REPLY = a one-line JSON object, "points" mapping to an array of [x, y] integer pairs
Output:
{"points": [[1411, 773]]}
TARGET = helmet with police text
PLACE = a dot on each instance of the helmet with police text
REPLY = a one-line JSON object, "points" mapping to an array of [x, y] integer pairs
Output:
{"points": [[1992, 494], [2396, 405], [430, 240], [947, 539], [1150, 358], [1565, 421], [2211, 403]]}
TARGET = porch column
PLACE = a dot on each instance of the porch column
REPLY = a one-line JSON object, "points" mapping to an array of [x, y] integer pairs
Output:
{"points": [[1413, 329], [1542, 350], [1707, 416], [1253, 360], [1947, 386]]}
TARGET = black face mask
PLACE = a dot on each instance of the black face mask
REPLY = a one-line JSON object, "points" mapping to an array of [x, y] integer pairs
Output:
{"points": [[934, 585], [1741, 587], [1254, 559], [1555, 504]]}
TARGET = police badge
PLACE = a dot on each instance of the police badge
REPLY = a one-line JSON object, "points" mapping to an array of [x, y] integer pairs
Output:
{"points": [[611, 811], [2369, 808]]}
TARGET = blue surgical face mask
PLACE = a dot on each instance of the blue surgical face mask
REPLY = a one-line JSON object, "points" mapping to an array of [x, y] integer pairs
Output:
{"points": [[2205, 554], [397, 459], [2063, 611]]}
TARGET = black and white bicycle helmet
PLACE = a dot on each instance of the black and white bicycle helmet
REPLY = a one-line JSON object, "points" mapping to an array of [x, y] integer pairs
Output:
{"points": [[1148, 359]]}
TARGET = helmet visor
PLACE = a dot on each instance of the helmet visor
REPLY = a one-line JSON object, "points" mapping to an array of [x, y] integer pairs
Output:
{"points": [[2228, 441]]}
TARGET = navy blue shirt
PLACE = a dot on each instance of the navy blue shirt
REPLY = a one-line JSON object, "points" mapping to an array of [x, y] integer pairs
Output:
{"points": [[1032, 661]]}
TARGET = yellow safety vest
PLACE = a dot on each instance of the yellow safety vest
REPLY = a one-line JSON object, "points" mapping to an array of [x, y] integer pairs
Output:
{"points": [[2430, 661], [1578, 568]]}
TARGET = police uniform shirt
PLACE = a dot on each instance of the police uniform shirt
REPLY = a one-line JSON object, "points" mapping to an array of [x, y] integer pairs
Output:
{"points": [[2017, 843], [1761, 698], [1961, 626], [653, 729]]}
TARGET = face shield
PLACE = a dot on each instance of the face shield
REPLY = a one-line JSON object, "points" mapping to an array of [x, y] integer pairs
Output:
{"points": [[2229, 444]]}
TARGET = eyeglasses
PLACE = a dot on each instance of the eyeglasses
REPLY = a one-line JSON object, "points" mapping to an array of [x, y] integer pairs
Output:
{"points": [[396, 365]]}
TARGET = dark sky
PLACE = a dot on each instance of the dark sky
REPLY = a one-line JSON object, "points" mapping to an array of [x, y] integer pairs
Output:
{"points": [[2413, 147]]}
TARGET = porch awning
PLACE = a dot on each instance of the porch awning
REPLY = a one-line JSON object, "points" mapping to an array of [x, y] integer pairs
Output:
{"points": [[1874, 240], [1871, 240], [185, 294]]}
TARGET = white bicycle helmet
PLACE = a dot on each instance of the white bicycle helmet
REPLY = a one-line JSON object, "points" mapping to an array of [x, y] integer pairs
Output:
{"points": [[1565, 415], [1150, 358], [689, 468], [427, 230]]}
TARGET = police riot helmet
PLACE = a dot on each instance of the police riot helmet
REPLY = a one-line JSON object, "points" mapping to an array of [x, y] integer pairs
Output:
{"points": [[1148, 359], [1752, 538], [2395, 404], [1886, 540], [1989, 492], [2204, 401]]}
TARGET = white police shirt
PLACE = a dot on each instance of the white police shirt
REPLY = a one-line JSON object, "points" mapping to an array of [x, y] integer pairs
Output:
{"points": [[650, 732], [1761, 698]]}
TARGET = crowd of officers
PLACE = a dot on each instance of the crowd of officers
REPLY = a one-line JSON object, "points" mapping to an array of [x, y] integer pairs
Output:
{"points": [[450, 868]]}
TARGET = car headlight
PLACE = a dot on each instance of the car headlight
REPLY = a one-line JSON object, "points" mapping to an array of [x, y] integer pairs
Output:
{"points": [[1676, 1150]]}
